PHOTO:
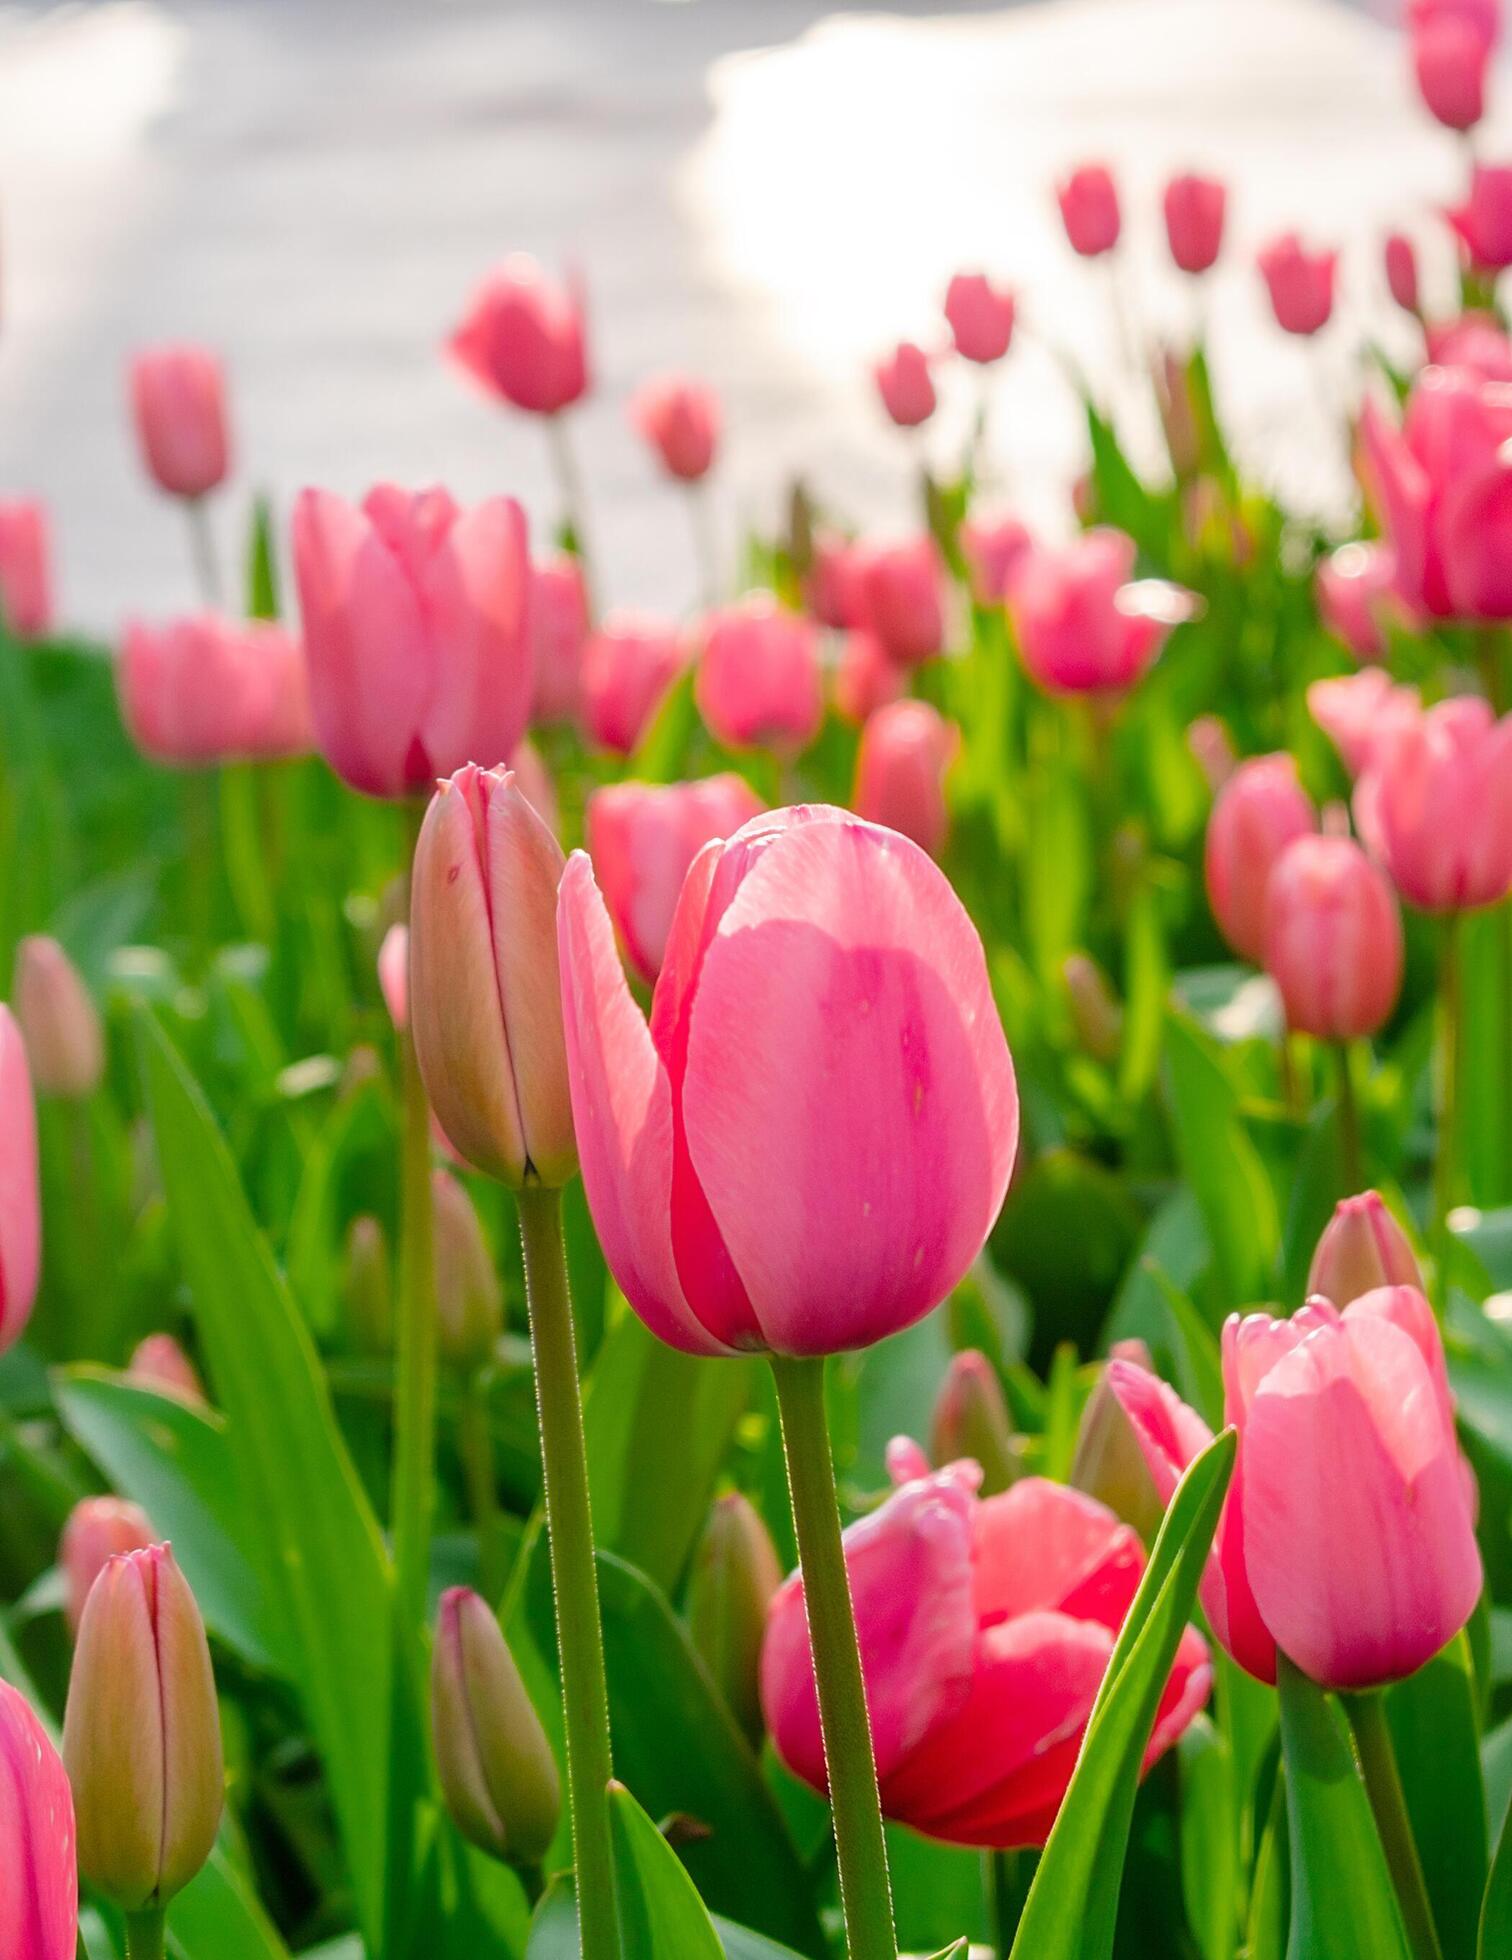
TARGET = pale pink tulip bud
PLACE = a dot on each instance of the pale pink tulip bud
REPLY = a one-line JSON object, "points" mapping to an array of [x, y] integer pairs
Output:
{"points": [[1333, 939], [1300, 283], [522, 338], [1402, 271], [559, 630], [680, 418], [971, 1420], [497, 1772], [1095, 1012], [26, 602], [469, 1296], [735, 1576], [484, 1007], [367, 1287], [903, 596], [628, 666], [1259, 812], [1435, 805], [141, 1736], [867, 677], [904, 383], [178, 395], [39, 1901], [1109, 1463], [97, 1528], [1449, 60], [1484, 220], [206, 689], [1212, 749], [1084, 625], [393, 973], [1357, 597], [20, 1213], [158, 1362], [1194, 209], [60, 1024], [1089, 210], [758, 683], [906, 751], [1362, 1247], [995, 547], [836, 582], [980, 316], [1360, 712]]}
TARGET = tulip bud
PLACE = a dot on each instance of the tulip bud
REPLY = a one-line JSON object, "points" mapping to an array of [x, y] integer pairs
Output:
{"points": [[981, 317], [680, 418], [905, 754], [866, 676], [469, 1299], [60, 1024], [1362, 1247], [971, 1420], [627, 668], [26, 598], [1194, 210], [1402, 271], [141, 1736], [485, 1001], [159, 1362], [1095, 1012], [1261, 810], [905, 385], [736, 1572], [367, 1288], [1333, 939], [97, 1529], [178, 398], [1300, 282], [498, 1775], [393, 972], [1089, 210], [1109, 1463]]}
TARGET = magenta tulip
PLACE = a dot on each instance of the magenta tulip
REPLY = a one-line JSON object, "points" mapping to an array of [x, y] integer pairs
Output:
{"points": [[522, 338], [1089, 210], [97, 1528], [906, 750], [1084, 625], [1300, 283], [905, 385], [1194, 209], [1484, 220], [39, 1890], [1261, 809], [1358, 597], [1333, 939], [178, 396], [980, 316], [1358, 712], [758, 682], [206, 689], [26, 602], [1435, 804], [866, 677], [559, 632], [995, 547], [903, 598], [1449, 60], [20, 1207], [680, 419], [628, 666], [1400, 258]]}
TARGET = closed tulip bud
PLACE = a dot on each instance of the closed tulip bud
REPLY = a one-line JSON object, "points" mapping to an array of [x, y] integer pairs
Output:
{"points": [[981, 317], [484, 1005], [97, 1529], [39, 1898], [204, 689], [1435, 805], [1084, 624], [26, 603], [522, 338], [141, 1736], [971, 1420], [1300, 283], [866, 677], [20, 1214], [835, 587], [178, 396], [559, 629], [1362, 1247], [1484, 220], [903, 599], [1259, 811], [1109, 1463], [393, 973], [735, 1574], [1402, 271], [1361, 712], [367, 1287], [995, 547], [905, 754], [1194, 209], [905, 385], [1333, 939], [498, 1775], [1095, 1013], [680, 419], [469, 1298], [758, 683], [1089, 210], [60, 1024], [1449, 60], [158, 1362], [628, 666]]}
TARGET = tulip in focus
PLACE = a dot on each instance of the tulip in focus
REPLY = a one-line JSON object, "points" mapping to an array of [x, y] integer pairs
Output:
{"points": [[906, 750], [60, 1024], [734, 1579], [1089, 210], [559, 630], [905, 385], [1333, 939], [158, 1362], [628, 666], [206, 689], [97, 1529], [806, 1148], [1435, 805], [1194, 210], [1362, 1248], [1300, 283], [971, 1420], [39, 1893], [1259, 811], [1084, 625], [980, 316], [1484, 220], [522, 338], [20, 1206], [1357, 595], [26, 603], [1360, 712], [178, 396], [758, 682], [995, 547], [866, 677], [985, 1625], [680, 419], [1402, 272], [903, 599]]}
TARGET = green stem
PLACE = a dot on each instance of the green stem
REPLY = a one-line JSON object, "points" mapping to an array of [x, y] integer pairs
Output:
{"points": [[202, 550], [1351, 1156], [201, 850], [860, 1847], [569, 1528], [570, 487], [144, 1934], [245, 847], [1006, 1879], [1451, 1020], [1372, 1732], [1291, 1088], [475, 1445]]}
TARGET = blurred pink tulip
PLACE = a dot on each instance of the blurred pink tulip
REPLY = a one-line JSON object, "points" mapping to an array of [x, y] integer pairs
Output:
{"points": [[39, 1899], [97, 1528], [642, 838], [1484, 220], [1357, 595], [1212, 749], [901, 764], [1300, 283], [178, 395], [1083, 625], [20, 1204], [1089, 210], [522, 338], [559, 629], [1483, 16], [836, 587], [393, 973], [1195, 208], [1435, 805], [207, 689], [1449, 60], [985, 1628], [980, 316], [1362, 1248], [1261, 809], [905, 385], [26, 601], [1400, 256], [158, 1362], [807, 1147], [903, 595], [533, 779], [680, 418], [995, 547], [1474, 341], [1333, 939], [417, 633], [59, 1022], [867, 676], [758, 682], [1357, 712], [628, 666]]}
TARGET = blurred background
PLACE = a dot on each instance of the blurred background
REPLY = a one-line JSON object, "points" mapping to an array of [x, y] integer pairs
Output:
{"points": [[766, 192]]}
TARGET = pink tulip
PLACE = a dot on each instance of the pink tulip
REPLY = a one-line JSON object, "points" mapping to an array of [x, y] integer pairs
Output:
{"points": [[1357, 596], [97, 1528], [158, 1362], [1089, 210], [26, 603], [178, 395], [1359, 1578], [836, 590], [1449, 60], [1194, 212], [39, 1898], [417, 632], [628, 666], [1083, 625], [559, 630], [981, 317], [680, 418], [59, 1022], [207, 689], [20, 1206], [995, 547], [522, 338], [1484, 220], [758, 683], [533, 780], [1212, 749], [905, 752], [1400, 257], [1473, 341], [642, 838], [393, 973], [867, 676], [1300, 282], [1435, 804], [1333, 939], [1483, 16], [1261, 809], [1362, 1248], [904, 383], [903, 595], [1357, 712], [807, 1147], [985, 1627]]}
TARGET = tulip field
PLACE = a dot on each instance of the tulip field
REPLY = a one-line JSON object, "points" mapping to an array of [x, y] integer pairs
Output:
{"points": [[825, 1280]]}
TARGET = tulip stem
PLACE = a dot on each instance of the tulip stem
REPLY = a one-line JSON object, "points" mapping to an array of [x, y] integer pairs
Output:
{"points": [[202, 550], [569, 1531], [1372, 1733], [570, 488], [1351, 1160], [860, 1847], [144, 1934], [1007, 1876], [1445, 1166]]}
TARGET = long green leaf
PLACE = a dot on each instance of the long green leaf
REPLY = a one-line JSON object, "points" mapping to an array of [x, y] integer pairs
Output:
{"points": [[1221, 1163], [659, 1907], [1496, 1910], [1436, 1737]]}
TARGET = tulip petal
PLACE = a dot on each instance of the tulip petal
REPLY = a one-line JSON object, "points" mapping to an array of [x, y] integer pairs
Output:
{"points": [[477, 604], [20, 1215], [192, 1764], [1041, 1547], [38, 1881]]}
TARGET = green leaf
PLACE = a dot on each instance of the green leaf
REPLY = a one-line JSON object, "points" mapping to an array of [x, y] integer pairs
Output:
{"points": [[1436, 1736], [1209, 1839], [661, 756], [218, 1916], [554, 1933], [1221, 1163], [262, 564], [659, 1908], [1496, 1910], [1072, 1909]]}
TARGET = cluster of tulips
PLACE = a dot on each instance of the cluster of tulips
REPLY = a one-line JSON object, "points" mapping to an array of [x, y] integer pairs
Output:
{"points": [[1125, 1498]]}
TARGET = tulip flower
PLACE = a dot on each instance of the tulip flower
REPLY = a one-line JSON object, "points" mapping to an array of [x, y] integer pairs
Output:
{"points": [[178, 396], [1358, 1578], [417, 630], [141, 1735], [995, 547], [206, 689], [827, 1177], [986, 1625], [469, 1298], [1212, 749], [903, 599], [484, 1010], [758, 682], [60, 1024], [904, 383], [1260, 810], [1083, 624], [1333, 939], [1089, 210], [1400, 257], [26, 604], [980, 316], [158, 1362], [906, 750], [866, 677], [1109, 1463], [393, 973], [1362, 1248], [971, 1420], [1360, 712], [1483, 16], [1194, 209], [1449, 60], [559, 631], [20, 1210], [1357, 595], [628, 666], [1484, 220], [522, 338], [1435, 805], [1473, 341], [735, 1576], [680, 419], [97, 1529], [1300, 283], [39, 1897], [642, 838], [836, 583]]}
